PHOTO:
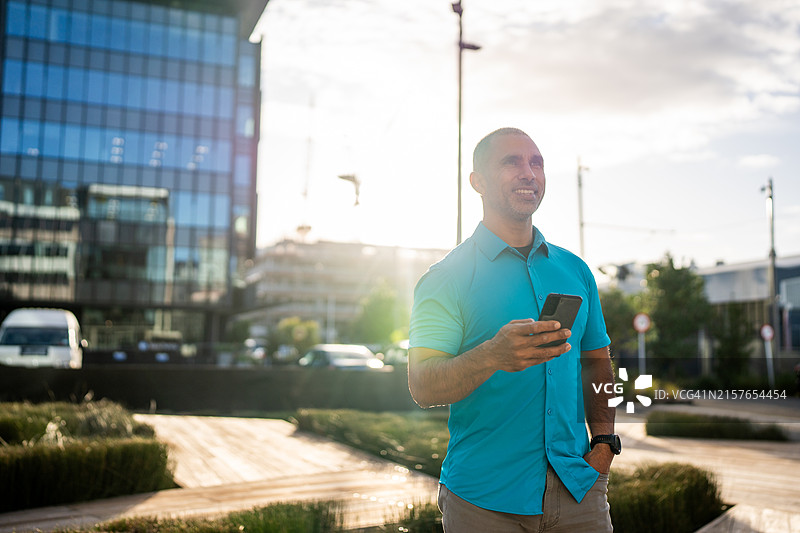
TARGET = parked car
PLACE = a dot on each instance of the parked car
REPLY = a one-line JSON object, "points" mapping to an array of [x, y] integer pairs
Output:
{"points": [[41, 338], [341, 356]]}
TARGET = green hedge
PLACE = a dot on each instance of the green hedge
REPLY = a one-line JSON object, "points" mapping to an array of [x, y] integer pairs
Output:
{"points": [[22, 423], [417, 441], [55, 453], [663, 498], [676, 424], [212, 390], [302, 517], [314, 517], [43, 474], [420, 519]]}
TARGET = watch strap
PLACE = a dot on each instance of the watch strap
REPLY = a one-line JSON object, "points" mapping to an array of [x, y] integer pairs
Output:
{"points": [[612, 441]]}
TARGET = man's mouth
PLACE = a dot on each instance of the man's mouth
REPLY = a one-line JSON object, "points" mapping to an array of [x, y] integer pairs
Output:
{"points": [[525, 192]]}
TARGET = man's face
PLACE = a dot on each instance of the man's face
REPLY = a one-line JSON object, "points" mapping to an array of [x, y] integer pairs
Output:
{"points": [[512, 181]]}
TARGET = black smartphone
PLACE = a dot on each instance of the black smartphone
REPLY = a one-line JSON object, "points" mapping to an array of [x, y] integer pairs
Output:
{"points": [[563, 308]]}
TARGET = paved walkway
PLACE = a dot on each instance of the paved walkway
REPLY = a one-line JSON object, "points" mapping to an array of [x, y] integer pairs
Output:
{"points": [[225, 464]]}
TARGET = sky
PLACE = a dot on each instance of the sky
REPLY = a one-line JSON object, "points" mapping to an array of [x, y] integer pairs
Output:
{"points": [[679, 110]]}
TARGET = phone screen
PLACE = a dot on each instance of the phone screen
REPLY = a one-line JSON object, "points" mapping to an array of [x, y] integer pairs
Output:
{"points": [[563, 308]]}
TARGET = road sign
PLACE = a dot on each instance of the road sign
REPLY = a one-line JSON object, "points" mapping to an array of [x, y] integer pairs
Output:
{"points": [[767, 333], [641, 322]]}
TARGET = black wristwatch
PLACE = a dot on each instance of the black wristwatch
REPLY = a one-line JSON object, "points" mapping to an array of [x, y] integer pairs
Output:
{"points": [[612, 441]]}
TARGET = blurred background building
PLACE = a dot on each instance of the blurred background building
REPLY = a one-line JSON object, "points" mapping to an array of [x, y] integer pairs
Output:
{"points": [[747, 285], [744, 284], [327, 281], [128, 136]]}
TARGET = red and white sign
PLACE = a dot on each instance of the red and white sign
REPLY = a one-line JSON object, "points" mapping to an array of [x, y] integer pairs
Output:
{"points": [[641, 322], [767, 333]]}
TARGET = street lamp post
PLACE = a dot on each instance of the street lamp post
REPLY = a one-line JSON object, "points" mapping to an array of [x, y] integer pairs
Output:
{"points": [[771, 275], [458, 10], [352, 178]]}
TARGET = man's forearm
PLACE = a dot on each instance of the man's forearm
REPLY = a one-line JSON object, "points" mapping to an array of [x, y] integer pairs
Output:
{"points": [[597, 373], [438, 379]]}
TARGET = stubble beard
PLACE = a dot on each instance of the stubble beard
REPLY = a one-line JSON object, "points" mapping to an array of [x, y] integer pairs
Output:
{"points": [[517, 210]]}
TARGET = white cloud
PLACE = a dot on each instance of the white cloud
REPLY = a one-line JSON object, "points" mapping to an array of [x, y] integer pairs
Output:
{"points": [[622, 80], [618, 82], [759, 161]]}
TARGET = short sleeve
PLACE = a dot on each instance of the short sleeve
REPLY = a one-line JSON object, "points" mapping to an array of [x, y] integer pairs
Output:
{"points": [[595, 336], [436, 320]]}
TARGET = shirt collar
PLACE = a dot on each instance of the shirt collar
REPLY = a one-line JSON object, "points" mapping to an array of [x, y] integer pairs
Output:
{"points": [[492, 246]]}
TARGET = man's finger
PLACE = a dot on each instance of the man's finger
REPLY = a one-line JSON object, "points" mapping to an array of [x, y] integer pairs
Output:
{"points": [[546, 354], [533, 327]]}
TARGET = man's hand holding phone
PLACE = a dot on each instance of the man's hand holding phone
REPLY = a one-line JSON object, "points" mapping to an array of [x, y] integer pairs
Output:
{"points": [[519, 344]]}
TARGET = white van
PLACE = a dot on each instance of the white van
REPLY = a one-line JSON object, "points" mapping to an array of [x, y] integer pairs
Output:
{"points": [[41, 338]]}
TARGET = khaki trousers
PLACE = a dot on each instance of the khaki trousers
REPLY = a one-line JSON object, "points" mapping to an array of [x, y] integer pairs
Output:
{"points": [[561, 513]]}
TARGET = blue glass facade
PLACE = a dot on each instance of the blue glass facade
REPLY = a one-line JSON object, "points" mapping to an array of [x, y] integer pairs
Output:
{"points": [[128, 135]]}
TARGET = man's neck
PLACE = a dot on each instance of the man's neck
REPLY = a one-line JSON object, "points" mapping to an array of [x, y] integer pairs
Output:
{"points": [[514, 233]]}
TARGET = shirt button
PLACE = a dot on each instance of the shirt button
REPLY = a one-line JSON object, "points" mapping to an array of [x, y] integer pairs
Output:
{"points": [[540, 297], [549, 411], [550, 371]]}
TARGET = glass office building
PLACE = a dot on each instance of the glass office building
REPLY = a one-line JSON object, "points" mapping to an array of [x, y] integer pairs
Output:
{"points": [[128, 136]]}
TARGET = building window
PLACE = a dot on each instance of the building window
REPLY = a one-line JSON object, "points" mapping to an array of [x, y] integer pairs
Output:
{"points": [[59, 22], [245, 121], [79, 29], [37, 22], [12, 77], [98, 31], [17, 22], [9, 136]]}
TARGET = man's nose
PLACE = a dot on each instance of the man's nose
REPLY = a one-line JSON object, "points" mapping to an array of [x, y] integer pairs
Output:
{"points": [[530, 173]]}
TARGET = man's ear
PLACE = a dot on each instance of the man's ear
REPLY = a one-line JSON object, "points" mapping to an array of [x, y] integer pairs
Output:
{"points": [[478, 182]]}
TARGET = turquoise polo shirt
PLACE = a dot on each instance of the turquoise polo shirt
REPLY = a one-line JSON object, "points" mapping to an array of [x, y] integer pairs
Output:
{"points": [[503, 435]]}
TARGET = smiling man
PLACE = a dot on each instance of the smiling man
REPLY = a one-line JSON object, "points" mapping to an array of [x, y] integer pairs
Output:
{"points": [[519, 457]]}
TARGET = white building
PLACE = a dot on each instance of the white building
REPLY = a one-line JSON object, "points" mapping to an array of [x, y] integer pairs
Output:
{"points": [[327, 281]]}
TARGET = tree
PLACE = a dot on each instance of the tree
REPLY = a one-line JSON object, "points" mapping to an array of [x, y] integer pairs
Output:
{"points": [[733, 334], [679, 309], [380, 316], [238, 332], [293, 331], [618, 311]]}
